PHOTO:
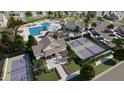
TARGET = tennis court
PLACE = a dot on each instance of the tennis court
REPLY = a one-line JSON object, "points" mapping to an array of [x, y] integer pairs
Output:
{"points": [[84, 48], [17, 69]]}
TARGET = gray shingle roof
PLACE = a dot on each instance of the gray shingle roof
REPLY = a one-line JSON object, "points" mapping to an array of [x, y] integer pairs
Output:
{"points": [[45, 42]]}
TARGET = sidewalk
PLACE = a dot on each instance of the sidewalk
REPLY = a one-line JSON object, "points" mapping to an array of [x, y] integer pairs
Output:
{"points": [[70, 76], [61, 71]]}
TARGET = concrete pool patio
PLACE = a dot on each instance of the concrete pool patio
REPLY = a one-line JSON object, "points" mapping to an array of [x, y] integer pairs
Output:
{"points": [[24, 30]]}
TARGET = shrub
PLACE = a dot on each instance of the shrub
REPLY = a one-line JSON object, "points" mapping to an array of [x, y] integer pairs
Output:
{"points": [[110, 62], [76, 37]]}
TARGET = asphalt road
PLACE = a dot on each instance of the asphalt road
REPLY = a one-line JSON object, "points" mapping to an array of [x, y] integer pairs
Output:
{"points": [[116, 74]]}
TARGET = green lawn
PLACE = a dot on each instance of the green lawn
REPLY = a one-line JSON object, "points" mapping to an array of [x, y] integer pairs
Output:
{"points": [[98, 70], [30, 19], [1, 30], [101, 68], [51, 76], [72, 67], [122, 20], [70, 18]]}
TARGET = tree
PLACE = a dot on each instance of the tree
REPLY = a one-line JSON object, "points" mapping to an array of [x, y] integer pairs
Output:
{"points": [[117, 42], [119, 54], [55, 36], [18, 37], [50, 12], [5, 38], [66, 13], [39, 12], [40, 63], [71, 53], [11, 22], [111, 26], [92, 14], [3, 48], [103, 13], [28, 14], [106, 17], [87, 19], [19, 22], [77, 29], [20, 45], [87, 72], [100, 18], [110, 12], [93, 24], [31, 41], [1, 55]]}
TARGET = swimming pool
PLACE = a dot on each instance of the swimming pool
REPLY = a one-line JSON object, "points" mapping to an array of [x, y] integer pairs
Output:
{"points": [[38, 29], [50, 26]]}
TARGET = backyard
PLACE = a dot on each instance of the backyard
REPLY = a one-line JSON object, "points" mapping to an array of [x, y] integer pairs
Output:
{"points": [[50, 76], [72, 67]]}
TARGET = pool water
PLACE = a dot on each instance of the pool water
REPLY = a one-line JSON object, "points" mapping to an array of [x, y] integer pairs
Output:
{"points": [[38, 29]]}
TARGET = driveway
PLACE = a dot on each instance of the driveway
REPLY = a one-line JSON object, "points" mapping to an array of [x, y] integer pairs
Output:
{"points": [[114, 74]]}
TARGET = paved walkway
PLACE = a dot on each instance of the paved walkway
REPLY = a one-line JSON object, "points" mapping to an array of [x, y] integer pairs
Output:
{"points": [[61, 71], [70, 76]]}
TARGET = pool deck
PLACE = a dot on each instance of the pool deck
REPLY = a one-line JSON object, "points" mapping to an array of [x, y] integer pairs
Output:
{"points": [[25, 31]]}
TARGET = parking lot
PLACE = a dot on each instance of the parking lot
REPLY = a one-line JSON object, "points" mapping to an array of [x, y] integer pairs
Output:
{"points": [[100, 28]]}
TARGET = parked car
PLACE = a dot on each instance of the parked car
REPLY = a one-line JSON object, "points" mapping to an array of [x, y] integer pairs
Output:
{"points": [[112, 35]]}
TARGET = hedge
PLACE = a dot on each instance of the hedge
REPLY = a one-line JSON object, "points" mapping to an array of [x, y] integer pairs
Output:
{"points": [[76, 37]]}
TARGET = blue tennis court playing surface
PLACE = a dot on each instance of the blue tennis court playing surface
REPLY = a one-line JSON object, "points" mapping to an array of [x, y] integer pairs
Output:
{"points": [[84, 48], [19, 70]]}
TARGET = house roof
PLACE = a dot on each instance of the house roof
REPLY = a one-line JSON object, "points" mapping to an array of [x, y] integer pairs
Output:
{"points": [[71, 25], [45, 42], [52, 51]]}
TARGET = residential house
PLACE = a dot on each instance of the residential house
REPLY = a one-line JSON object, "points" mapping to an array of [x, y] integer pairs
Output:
{"points": [[48, 47]]}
